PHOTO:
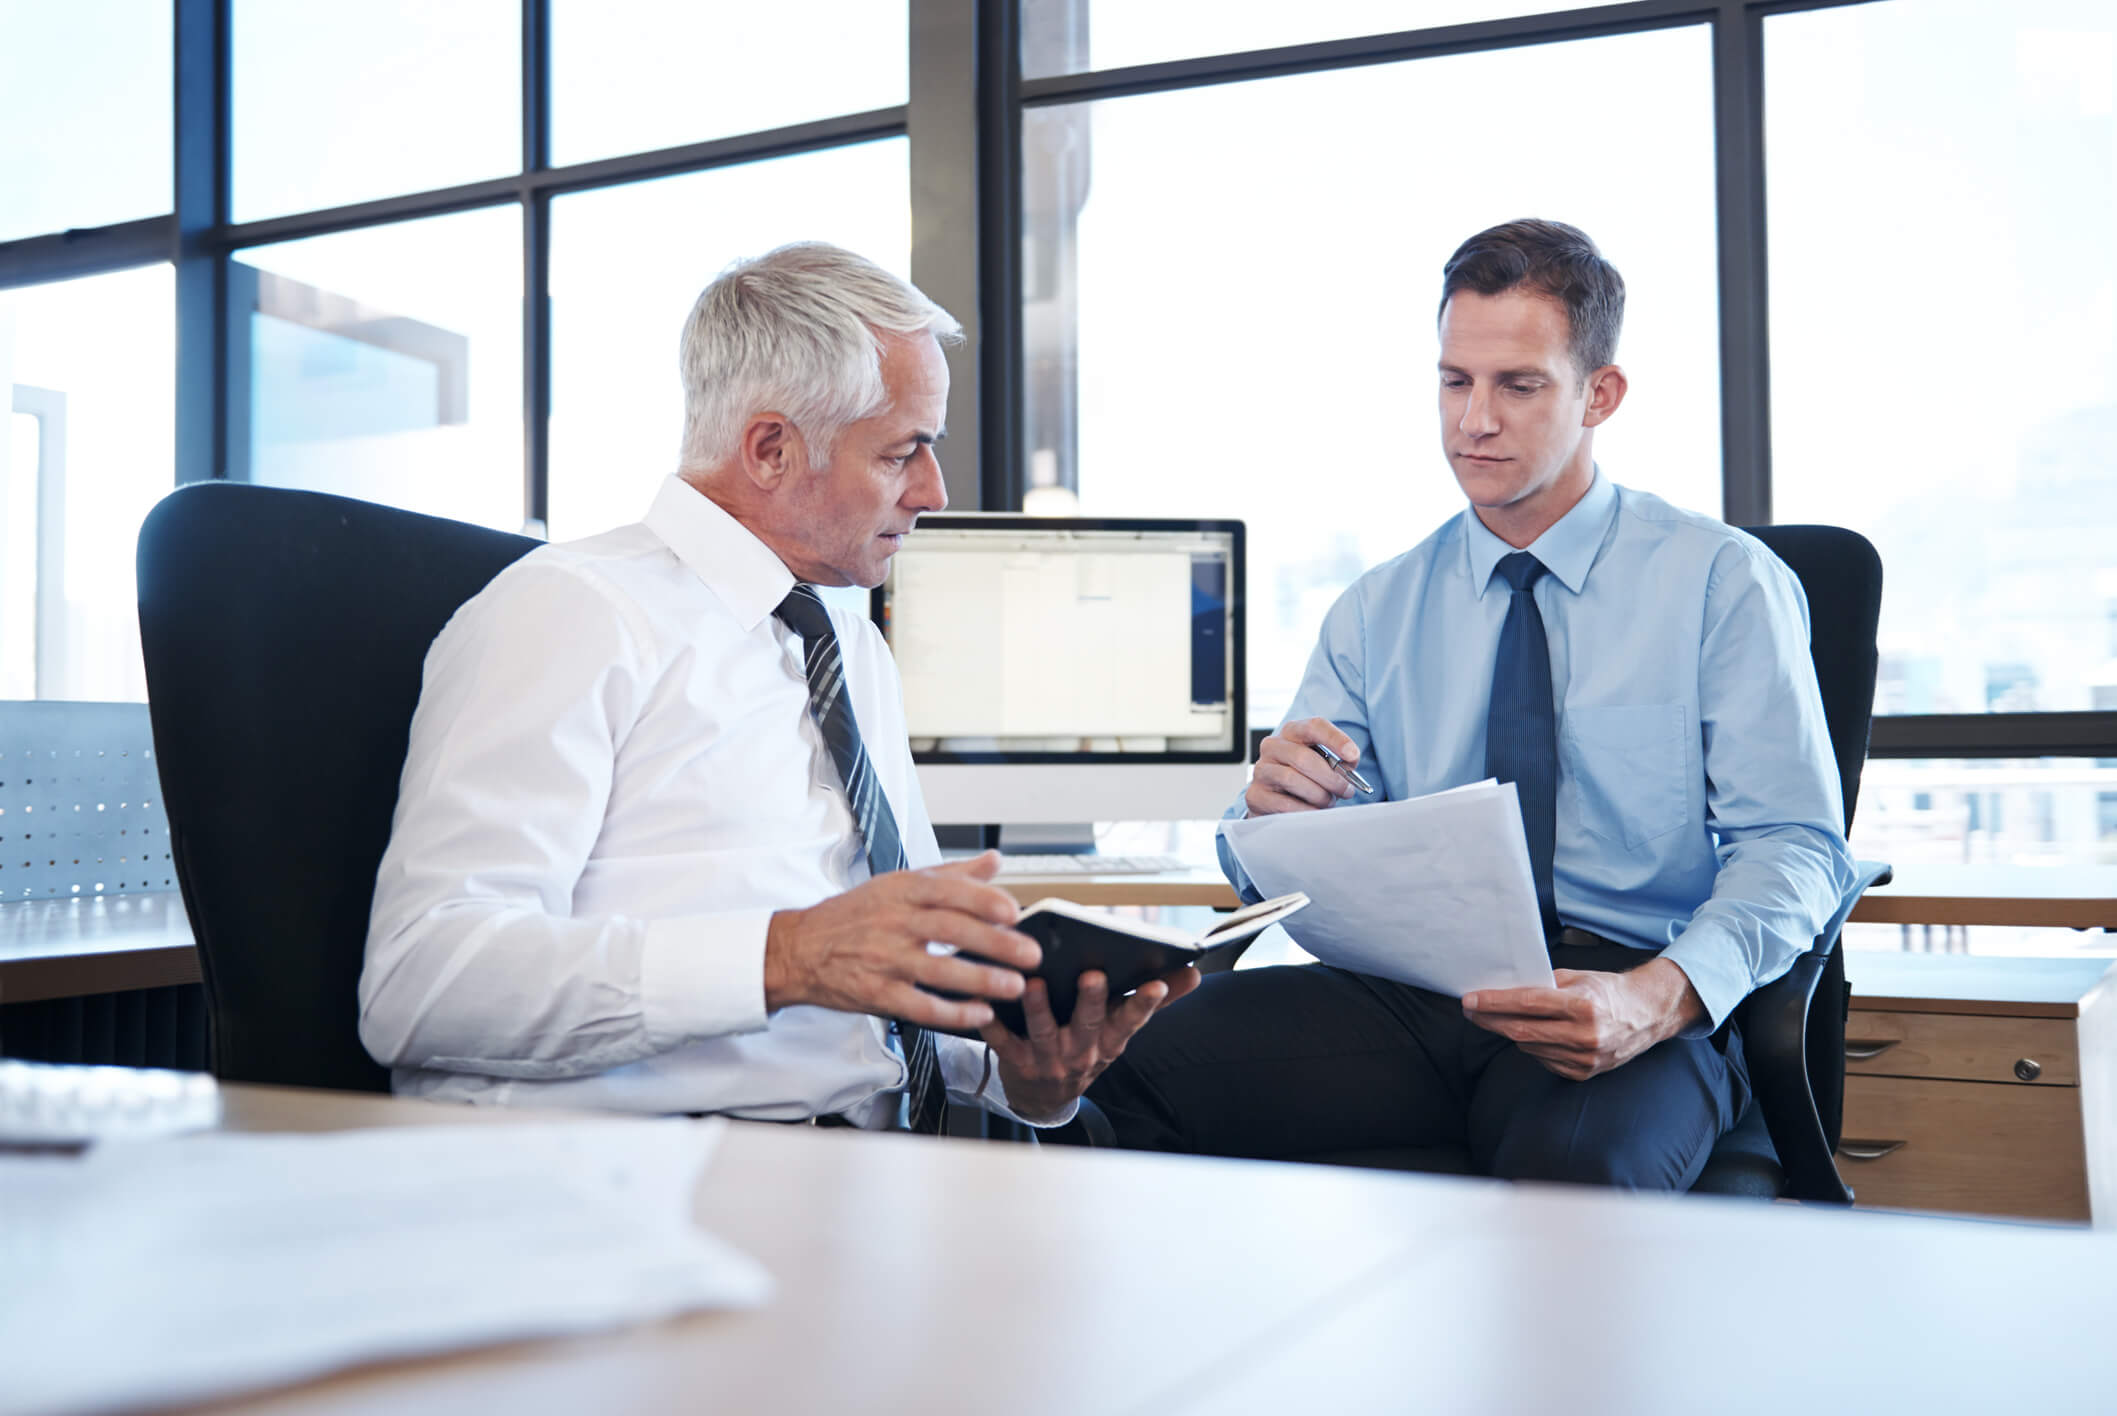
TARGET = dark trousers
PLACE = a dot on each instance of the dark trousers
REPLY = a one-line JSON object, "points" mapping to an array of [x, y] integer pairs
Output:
{"points": [[1308, 1060]]}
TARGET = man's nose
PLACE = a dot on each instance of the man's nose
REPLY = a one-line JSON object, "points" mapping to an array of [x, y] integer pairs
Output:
{"points": [[929, 490], [1478, 420]]}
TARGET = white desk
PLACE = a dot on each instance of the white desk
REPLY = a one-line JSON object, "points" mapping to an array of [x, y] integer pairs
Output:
{"points": [[961, 1276]]}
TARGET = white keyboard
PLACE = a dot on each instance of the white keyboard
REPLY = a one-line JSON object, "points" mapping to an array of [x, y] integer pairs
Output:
{"points": [[42, 1104], [1090, 863]]}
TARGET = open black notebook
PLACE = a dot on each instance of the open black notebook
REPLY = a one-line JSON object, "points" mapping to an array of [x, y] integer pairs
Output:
{"points": [[1078, 938]]}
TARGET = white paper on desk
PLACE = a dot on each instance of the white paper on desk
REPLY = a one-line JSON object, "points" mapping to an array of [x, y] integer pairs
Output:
{"points": [[1435, 891], [177, 1270]]}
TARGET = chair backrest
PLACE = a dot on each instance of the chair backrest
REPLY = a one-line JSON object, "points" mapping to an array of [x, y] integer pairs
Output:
{"points": [[1842, 577], [285, 633]]}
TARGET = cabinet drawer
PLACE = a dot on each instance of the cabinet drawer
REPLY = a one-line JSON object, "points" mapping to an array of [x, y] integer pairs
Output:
{"points": [[1971, 1147], [1962, 1046]]}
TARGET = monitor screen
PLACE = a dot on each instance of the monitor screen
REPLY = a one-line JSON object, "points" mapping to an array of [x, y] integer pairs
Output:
{"points": [[1034, 639]]}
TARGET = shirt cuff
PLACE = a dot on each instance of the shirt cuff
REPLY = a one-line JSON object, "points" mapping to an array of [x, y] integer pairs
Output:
{"points": [[702, 976], [1245, 889], [963, 1064], [1713, 963]]}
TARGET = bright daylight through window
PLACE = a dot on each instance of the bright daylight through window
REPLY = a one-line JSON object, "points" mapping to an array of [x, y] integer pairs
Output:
{"points": [[1956, 401], [626, 264], [1249, 331], [88, 370]]}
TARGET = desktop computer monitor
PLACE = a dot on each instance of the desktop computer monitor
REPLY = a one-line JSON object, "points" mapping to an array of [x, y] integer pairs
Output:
{"points": [[1063, 670]]}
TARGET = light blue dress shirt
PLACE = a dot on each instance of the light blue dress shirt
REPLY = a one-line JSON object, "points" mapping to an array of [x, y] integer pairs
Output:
{"points": [[1699, 811]]}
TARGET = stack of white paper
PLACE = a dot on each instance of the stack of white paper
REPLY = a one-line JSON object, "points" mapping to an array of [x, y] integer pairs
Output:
{"points": [[170, 1271], [1435, 891]]}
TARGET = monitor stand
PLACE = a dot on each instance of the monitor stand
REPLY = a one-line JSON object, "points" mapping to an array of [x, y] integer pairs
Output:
{"points": [[1051, 838], [966, 840]]}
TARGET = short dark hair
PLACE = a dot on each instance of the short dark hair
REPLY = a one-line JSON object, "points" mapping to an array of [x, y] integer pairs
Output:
{"points": [[1556, 261]]}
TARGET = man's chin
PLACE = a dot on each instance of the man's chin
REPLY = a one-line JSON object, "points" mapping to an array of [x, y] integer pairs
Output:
{"points": [[1486, 487]]}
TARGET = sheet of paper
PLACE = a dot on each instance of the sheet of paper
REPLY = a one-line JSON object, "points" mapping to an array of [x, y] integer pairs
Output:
{"points": [[1435, 891], [158, 1272]]}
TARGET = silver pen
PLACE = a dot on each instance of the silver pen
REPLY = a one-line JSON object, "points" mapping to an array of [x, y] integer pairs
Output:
{"points": [[1344, 771]]}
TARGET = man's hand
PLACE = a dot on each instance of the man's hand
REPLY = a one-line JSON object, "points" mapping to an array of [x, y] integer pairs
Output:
{"points": [[1590, 1022], [1046, 1070], [865, 951], [1292, 776]]}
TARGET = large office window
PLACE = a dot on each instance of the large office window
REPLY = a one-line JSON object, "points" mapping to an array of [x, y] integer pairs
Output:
{"points": [[87, 373], [335, 104], [627, 263], [386, 363], [630, 75], [1067, 36], [85, 107], [1197, 242], [1229, 295], [1943, 188]]}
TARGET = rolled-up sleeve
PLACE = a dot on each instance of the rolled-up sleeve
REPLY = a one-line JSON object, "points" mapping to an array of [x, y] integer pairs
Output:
{"points": [[1773, 799], [474, 960]]}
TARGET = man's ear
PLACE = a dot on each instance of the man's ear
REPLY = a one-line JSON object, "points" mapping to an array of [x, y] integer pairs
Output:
{"points": [[1606, 389], [771, 450]]}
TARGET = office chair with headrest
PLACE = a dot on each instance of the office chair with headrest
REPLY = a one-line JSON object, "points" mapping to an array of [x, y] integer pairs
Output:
{"points": [[1793, 1029], [284, 634]]}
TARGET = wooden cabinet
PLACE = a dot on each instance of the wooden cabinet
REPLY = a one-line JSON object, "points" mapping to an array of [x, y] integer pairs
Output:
{"points": [[1981, 1085]]}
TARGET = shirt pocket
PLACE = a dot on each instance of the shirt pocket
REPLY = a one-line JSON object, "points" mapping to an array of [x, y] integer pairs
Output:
{"points": [[1629, 767]]}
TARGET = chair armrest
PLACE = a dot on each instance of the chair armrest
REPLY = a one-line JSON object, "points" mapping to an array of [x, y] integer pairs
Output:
{"points": [[1796, 1056]]}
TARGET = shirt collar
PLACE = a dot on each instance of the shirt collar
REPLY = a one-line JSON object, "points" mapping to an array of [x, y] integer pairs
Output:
{"points": [[743, 571], [1567, 548]]}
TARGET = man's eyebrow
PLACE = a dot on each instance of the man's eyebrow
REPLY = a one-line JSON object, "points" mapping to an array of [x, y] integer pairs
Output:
{"points": [[929, 439], [1530, 372]]}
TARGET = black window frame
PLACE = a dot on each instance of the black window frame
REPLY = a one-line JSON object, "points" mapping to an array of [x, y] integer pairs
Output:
{"points": [[963, 120]]}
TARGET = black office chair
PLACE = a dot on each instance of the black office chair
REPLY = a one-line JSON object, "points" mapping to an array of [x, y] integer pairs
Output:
{"points": [[1793, 1029], [284, 634]]}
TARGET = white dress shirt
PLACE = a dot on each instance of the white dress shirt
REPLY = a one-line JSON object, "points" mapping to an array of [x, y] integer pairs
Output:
{"points": [[613, 783]]}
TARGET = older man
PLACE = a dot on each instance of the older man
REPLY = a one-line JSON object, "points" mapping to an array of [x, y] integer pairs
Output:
{"points": [[659, 845]]}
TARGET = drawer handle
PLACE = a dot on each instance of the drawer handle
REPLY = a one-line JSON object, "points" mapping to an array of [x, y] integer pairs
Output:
{"points": [[1866, 1050], [1868, 1150], [2028, 1069]]}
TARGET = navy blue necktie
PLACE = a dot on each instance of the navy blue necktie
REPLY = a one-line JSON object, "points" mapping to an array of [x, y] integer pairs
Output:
{"points": [[803, 612], [1521, 726]]}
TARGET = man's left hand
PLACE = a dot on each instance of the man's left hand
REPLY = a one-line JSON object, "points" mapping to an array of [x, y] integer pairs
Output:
{"points": [[1046, 1070], [1590, 1022]]}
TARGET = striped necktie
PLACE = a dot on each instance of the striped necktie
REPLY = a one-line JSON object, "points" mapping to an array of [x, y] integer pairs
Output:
{"points": [[803, 612]]}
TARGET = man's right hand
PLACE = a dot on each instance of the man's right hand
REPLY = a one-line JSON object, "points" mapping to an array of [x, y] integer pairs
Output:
{"points": [[1292, 776], [865, 951]]}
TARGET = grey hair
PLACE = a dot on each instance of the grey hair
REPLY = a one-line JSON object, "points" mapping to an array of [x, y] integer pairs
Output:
{"points": [[796, 331]]}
